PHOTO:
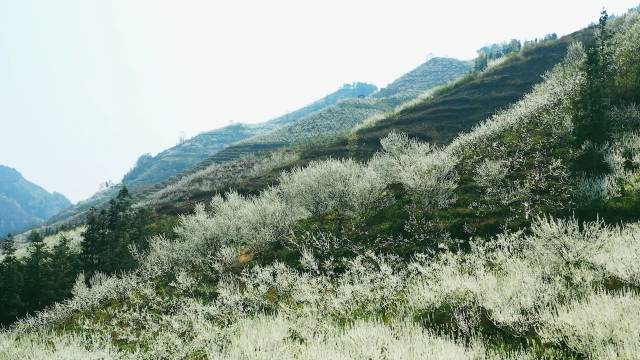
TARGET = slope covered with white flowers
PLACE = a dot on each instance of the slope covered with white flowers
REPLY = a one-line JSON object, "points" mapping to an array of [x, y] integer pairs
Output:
{"points": [[497, 246]]}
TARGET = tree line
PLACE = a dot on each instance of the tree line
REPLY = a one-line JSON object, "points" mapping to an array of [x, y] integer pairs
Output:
{"points": [[46, 274], [496, 51]]}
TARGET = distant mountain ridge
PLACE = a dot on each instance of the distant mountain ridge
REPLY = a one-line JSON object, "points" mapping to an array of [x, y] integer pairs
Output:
{"points": [[151, 170], [425, 76], [438, 118], [344, 115], [23, 203]]}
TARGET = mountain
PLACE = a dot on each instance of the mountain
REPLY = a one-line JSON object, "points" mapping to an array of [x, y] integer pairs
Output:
{"points": [[436, 117], [461, 105], [334, 114], [425, 76], [339, 118], [518, 239], [343, 116], [24, 204], [151, 170]]}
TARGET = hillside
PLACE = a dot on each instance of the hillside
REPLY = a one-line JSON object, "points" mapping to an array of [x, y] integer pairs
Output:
{"points": [[76, 215], [335, 114], [437, 117], [517, 240], [344, 116], [24, 204], [150, 170], [340, 118], [414, 83], [458, 107]]}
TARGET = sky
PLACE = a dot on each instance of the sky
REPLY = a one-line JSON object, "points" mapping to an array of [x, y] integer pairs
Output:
{"points": [[87, 86]]}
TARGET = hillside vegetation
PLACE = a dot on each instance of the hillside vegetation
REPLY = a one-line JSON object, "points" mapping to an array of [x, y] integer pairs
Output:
{"points": [[24, 204], [332, 115], [345, 115], [436, 115], [518, 240]]}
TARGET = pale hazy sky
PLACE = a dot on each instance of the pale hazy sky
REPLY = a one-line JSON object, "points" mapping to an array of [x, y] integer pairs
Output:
{"points": [[86, 86]]}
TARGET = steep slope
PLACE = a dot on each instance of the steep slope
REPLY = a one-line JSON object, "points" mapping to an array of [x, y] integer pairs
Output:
{"points": [[414, 83], [456, 108], [150, 170], [437, 118], [23, 203], [343, 116], [75, 215], [334, 114]]}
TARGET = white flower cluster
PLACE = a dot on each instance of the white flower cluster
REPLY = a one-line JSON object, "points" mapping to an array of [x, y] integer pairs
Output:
{"points": [[342, 185], [426, 171], [604, 326]]}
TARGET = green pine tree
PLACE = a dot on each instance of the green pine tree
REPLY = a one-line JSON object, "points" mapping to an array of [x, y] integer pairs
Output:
{"points": [[591, 125], [11, 283], [63, 269], [36, 293], [110, 234]]}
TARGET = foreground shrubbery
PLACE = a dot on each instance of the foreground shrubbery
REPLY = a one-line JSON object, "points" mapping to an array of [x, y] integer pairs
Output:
{"points": [[547, 293]]}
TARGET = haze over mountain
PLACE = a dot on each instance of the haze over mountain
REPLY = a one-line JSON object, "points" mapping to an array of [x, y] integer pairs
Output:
{"points": [[23, 203]]}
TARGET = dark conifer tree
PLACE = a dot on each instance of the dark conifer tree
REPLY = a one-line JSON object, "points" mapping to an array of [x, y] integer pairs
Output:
{"points": [[63, 269], [111, 233], [36, 290], [591, 126], [11, 283], [92, 244]]}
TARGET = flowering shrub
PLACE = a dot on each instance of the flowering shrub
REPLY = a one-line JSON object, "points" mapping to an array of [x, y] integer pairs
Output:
{"points": [[603, 326], [427, 172], [514, 282], [342, 185]]}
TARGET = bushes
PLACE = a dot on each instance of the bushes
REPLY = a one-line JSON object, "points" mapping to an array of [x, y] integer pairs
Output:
{"points": [[503, 293], [602, 326], [427, 172], [627, 57], [52, 346], [341, 185], [269, 337]]}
